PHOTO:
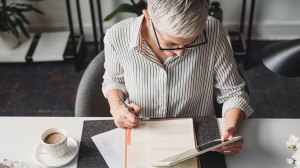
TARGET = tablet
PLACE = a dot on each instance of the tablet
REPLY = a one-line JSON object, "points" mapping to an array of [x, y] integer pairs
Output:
{"points": [[194, 152]]}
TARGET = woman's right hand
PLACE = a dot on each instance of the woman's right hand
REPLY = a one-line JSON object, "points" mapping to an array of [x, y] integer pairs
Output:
{"points": [[123, 118]]}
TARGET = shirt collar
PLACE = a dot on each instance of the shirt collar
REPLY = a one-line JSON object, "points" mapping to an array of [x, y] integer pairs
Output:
{"points": [[135, 31]]}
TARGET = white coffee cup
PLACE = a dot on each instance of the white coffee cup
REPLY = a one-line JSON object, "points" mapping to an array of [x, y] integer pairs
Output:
{"points": [[54, 140]]}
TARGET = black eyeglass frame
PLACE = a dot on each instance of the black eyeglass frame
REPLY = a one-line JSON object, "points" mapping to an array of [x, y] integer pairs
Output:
{"points": [[178, 48]]}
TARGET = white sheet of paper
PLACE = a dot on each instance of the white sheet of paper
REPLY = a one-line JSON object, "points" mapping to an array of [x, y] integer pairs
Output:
{"points": [[111, 145]]}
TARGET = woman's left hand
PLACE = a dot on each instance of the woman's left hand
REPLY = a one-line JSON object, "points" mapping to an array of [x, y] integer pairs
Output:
{"points": [[233, 148]]}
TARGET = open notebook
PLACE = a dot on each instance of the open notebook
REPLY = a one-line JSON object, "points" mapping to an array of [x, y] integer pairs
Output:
{"points": [[157, 139], [206, 129]]}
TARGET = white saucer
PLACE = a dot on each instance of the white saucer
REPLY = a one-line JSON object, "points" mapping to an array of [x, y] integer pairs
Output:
{"points": [[45, 159]]}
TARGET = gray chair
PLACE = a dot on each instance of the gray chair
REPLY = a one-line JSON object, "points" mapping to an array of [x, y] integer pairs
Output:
{"points": [[90, 101]]}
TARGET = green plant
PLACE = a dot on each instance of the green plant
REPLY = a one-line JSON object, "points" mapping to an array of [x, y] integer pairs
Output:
{"points": [[12, 18], [134, 7]]}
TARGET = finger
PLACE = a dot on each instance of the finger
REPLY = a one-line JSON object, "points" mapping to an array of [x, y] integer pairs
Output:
{"points": [[225, 136], [120, 124], [131, 117], [230, 153], [238, 143], [236, 148], [231, 148], [228, 133], [129, 123], [136, 121], [225, 147], [234, 144], [226, 150], [122, 121], [220, 150], [137, 109]]}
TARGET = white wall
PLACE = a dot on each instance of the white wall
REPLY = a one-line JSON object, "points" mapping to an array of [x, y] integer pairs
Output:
{"points": [[274, 19]]}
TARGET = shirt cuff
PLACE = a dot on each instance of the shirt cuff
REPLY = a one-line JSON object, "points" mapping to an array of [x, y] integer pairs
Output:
{"points": [[239, 103], [118, 86]]}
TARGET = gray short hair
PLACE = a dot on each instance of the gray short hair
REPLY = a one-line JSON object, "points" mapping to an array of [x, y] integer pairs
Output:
{"points": [[182, 18]]}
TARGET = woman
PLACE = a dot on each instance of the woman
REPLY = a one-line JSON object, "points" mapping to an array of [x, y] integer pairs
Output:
{"points": [[169, 62]]}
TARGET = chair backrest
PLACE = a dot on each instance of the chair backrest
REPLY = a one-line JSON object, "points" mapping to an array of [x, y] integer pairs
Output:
{"points": [[90, 101]]}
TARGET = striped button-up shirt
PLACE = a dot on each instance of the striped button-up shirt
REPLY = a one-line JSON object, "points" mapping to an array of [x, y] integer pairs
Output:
{"points": [[181, 86]]}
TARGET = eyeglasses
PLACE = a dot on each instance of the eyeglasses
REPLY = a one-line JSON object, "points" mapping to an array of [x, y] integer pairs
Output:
{"points": [[178, 48]]}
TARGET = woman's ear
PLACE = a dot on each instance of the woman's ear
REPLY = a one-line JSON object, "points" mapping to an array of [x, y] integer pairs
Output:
{"points": [[146, 14]]}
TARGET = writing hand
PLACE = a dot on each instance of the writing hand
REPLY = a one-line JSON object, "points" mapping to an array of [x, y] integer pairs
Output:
{"points": [[123, 118]]}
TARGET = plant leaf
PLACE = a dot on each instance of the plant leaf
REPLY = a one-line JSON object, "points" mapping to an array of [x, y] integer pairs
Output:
{"points": [[26, 8], [36, 10], [13, 19], [134, 5], [22, 27], [122, 8], [15, 13], [14, 6], [12, 26], [4, 26], [21, 17], [142, 5]]}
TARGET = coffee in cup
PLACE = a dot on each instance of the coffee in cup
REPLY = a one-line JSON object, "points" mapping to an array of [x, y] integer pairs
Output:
{"points": [[55, 141], [54, 138]]}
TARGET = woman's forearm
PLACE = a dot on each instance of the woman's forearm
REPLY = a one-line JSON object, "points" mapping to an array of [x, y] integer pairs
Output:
{"points": [[234, 118], [112, 97]]}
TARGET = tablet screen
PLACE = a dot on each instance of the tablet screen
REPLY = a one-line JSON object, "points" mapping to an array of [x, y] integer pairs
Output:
{"points": [[209, 144]]}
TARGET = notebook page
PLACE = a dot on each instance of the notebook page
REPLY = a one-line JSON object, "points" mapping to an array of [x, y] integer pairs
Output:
{"points": [[158, 139]]}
